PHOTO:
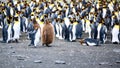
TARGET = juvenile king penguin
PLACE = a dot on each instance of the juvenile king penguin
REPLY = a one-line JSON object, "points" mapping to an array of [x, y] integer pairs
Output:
{"points": [[115, 33], [47, 33]]}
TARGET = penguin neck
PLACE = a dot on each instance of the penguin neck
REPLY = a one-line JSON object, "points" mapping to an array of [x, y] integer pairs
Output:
{"points": [[116, 26], [101, 24]]}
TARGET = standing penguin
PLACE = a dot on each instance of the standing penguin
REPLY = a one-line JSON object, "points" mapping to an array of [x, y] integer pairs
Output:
{"points": [[16, 29], [34, 32], [115, 33], [102, 31], [47, 33], [73, 30], [66, 28], [37, 32], [104, 11], [6, 30], [88, 27], [79, 30], [9, 28]]}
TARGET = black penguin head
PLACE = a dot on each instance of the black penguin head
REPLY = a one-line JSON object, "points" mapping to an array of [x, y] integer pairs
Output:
{"points": [[16, 18]]}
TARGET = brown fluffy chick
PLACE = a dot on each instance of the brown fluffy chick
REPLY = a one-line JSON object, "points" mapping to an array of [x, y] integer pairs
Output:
{"points": [[47, 33]]}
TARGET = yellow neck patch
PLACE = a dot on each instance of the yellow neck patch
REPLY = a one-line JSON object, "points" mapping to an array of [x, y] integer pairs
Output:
{"points": [[16, 22], [88, 22], [100, 25], [37, 19], [41, 23], [116, 13], [116, 26], [75, 23]]}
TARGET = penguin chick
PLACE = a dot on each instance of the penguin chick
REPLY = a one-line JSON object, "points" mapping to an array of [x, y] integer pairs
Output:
{"points": [[47, 33]]}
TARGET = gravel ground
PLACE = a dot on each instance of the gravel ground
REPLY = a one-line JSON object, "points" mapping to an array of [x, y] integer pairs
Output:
{"points": [[62, 54]]}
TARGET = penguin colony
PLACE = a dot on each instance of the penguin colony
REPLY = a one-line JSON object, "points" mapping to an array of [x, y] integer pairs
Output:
{"points": [[66, 20]]}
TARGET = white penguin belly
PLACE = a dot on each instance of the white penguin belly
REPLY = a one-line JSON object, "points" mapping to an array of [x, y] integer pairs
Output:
{"points": [[115, 33]]}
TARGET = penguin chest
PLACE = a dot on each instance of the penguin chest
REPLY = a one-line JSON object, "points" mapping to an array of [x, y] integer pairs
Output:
{"points": [[98, 29], [104, 12], [88, 29], [11, 12], [115, 32], [16, 25]]}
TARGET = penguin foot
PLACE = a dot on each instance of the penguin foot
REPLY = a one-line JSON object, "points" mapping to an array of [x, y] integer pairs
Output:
{"points": [[30, 45], [16, 40], [115, 43], [48, 45], [35, 46], [73, 40], [13, 41], [43, 44], [3, 41], [10, 41]]}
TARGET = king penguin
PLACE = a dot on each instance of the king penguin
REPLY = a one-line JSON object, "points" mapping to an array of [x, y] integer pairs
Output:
{"points": [[115, 33], [47, 33]]}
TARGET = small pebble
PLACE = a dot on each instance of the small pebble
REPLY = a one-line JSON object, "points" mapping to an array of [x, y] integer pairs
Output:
{"points": [[60, 62], [37, 61], [13, 52], [20, 58], [117, 61], [11, 47], [103, 63]]}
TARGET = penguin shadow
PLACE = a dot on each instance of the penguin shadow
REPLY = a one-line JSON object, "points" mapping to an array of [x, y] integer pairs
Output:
{"points": [[2, 41], [11, 41], [42, 46]]}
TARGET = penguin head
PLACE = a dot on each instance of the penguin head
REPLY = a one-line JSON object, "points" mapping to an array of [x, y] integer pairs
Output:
{"points": [[16, 15], [104, 6], [46, 16], [47, 21], [9, 18], [42, 20], [74, 19], [61, 21], [16, 18], [91, 21], [32, 14]]}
